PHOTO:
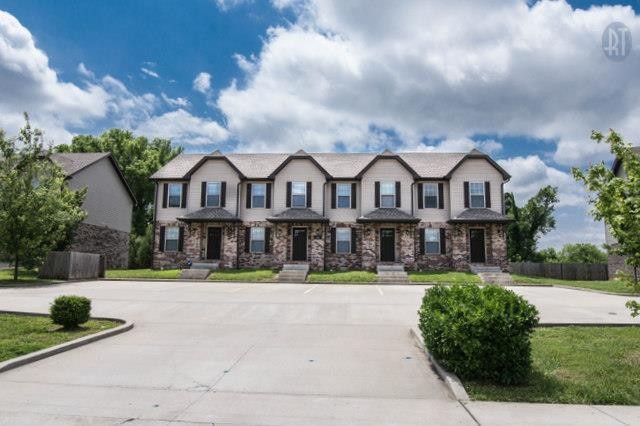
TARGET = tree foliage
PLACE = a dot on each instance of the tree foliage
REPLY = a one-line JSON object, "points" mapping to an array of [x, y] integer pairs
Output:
{"points": [[573, 253], [530, 221], [38, 211]]}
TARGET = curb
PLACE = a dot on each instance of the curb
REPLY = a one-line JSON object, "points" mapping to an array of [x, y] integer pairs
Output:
{"points": [[587, 324], [452, 381], [593, 290], [63, 347]]}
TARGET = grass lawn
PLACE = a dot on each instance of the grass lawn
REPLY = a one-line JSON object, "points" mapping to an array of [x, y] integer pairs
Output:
{"points": [[612, 286], [577, 365], [247, 275], [24, 276], [443, 277], [143, 273], [342, 277], [21, 334]]}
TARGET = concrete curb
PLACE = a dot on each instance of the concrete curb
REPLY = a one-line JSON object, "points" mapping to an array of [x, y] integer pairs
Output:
{"points": [[63, 347], [587, 324], [451, 380], [593, 290]]}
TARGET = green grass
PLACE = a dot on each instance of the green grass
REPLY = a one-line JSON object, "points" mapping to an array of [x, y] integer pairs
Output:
{"points": [[24, 277], [246, 275], [342, 277], [143, 273], [576, 365], [443, 277], [613, 286], [21, 334]]}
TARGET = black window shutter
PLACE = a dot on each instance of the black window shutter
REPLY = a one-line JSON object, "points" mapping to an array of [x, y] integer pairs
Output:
{"points": [[203, 194], [398, 201], [333, 195], [247, 239], [377, 194], [248, 203], [180, 238], [161, 245], [353, 195], [466, 195], [354, 240], [308, 194], [267, 240], [333, 240], [420, 197], [487, 194], [223, 194], [268, 197], [184, 196], [440, 195], [422, 231], [165, 194], [443, 241], [288, 194]]}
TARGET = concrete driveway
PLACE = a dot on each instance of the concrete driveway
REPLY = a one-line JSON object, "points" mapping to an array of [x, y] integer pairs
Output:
{"points": [[251, 353]]}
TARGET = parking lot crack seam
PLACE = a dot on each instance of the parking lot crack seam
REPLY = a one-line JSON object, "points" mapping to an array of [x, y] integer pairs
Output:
{"points": [[609, 415]]}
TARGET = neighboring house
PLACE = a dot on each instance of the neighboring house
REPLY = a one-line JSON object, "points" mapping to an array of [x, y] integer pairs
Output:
{"points": [[109, 205], [616, 262], [425, 210]]}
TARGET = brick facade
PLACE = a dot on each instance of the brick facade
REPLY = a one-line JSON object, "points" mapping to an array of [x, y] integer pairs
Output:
{"points": [[495, 246]]}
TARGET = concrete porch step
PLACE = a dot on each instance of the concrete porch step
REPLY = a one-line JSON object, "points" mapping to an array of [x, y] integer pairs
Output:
{"points": [[194, 274], [392, 273], [477, 268], [208, 265], [499, 278], [293, 273]]}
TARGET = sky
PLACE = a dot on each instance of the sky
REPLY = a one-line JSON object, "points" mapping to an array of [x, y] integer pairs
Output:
{"points": [[526, 83]]}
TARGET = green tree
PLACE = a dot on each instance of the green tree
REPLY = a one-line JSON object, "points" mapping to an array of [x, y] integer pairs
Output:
{"points": [[582, 253], [548, 255], [37, 209], [530, 221]]}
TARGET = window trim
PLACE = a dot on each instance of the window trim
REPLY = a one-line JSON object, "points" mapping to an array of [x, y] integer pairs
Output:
{"points": [[338, 239], [393, 185], [251, 240], [264, 197], [166, 238], [304, 185], [206, 195], [484, 196], [169, 185], [348, 185], [426, 241], [424, 194]]}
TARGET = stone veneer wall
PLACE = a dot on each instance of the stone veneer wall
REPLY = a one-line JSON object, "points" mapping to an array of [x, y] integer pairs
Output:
{"points": [[405, 244], [256, 260], [315, 244], [495, 243], [617, 263], [434, 261], [111, 243], [334, 261]]}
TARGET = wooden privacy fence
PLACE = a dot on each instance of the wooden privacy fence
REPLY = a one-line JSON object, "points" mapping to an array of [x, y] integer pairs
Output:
{"points": [[563, 271]]}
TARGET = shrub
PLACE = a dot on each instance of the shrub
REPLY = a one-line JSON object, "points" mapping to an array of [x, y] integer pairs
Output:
{"points": [[479, 333], [70, 311]]}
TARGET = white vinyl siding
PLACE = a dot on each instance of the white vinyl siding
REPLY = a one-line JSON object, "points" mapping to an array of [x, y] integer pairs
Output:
{"points": [[386, 170], [298, 170], [474, 170]]}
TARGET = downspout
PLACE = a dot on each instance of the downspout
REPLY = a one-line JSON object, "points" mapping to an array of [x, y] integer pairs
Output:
{"points": [[415, 252], [238, 226], [324, 227], [155, 215]]}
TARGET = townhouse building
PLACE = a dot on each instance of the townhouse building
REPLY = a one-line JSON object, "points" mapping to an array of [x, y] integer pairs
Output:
{"points": [[424, 210]]}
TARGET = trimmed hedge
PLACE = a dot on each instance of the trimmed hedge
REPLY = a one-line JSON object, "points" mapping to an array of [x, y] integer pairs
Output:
{"points": [[480, 333], [70, 311]]}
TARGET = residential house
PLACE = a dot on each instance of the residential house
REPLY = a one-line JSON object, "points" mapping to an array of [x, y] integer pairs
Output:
{"points": [[424, 210], [109, 204]]}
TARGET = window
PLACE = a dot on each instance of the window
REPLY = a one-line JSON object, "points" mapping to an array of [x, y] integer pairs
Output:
{"points": [[430, 195], [175, 195], [213, 194], [258, 192], [343, 240], [432, 241], [171, 237], [476, 194], [298, 194], [257, 240], [387, 194], [344, 195]]}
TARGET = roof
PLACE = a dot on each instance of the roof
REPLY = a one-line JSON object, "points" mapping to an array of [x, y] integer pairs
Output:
{"points": [[210, 214], [178, 167], [617, 163], [388, 215], [74, 162], [480, 215], [298, 215]]}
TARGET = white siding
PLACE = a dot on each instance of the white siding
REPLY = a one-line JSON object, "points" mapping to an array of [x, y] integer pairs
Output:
{"points": [[107, 202], [342, 215], [254, 214], [298, 170], [386, 170], [475, 170], [433, 215]]}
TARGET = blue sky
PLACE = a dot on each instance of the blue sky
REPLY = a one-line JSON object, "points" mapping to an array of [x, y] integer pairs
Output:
{"points": [[527, 84]]}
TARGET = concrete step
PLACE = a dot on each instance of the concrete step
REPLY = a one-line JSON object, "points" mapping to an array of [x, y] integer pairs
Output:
{"points": [[211, 266], [194, 274], [392, 273], [499, 278], [390, 267], [476, 268], [293, 272]]}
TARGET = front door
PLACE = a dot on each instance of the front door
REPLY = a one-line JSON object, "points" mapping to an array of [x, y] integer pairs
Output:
{"points": [[387, 245], [476, 239], [214, 242], [299, 244]]}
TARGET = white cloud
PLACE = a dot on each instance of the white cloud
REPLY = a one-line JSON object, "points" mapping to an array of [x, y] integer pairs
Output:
{"points": [[202, 83], [175, 102], [84, 71], [149, 72], [488, 146], [183, 128], [434, 70]]}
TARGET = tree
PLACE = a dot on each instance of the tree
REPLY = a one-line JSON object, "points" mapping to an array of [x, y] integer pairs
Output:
{"points": [[531, 221], [582, 253], [37, 209], [548, 255]]}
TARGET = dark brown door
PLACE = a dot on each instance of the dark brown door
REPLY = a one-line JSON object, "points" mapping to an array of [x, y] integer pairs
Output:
{"points": [[214, 242], [387, 245], [299, 244], [476, 239]]}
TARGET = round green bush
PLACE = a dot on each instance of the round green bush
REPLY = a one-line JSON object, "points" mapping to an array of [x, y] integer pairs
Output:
{"points": [[70, 311], [480, 333]]}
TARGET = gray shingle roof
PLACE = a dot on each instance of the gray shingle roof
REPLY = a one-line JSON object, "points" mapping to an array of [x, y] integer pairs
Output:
{"points": [[432, 164], [343, 165], [210, 214], [178, 167], [257, 165], [298, 215], [73, 162], [388, 215], [480, 215]]}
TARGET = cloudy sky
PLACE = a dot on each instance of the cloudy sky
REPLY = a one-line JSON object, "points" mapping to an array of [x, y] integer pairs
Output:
{"points": [[524, 81]]}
